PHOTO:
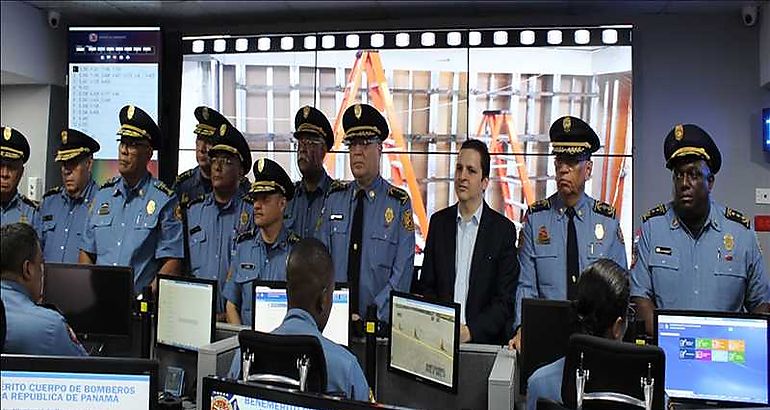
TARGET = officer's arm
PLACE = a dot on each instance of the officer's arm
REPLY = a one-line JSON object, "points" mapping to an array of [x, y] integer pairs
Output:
{"points": [[170, 246], [403, 264], [617, 251], [88, 241], [758, 289], [232, 295], [527, 285], [171, 267], [63, 339], [642, 292], [86, 258], [427, 283], [357, 382]]}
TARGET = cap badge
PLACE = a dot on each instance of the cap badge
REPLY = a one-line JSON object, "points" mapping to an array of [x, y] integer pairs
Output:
{"points": [[357, 111], [222, 130], [305, 111], [679, 132], [205, 113], [64, 137], [567, 124], [130, 113], [7, 131], [260, 165]]}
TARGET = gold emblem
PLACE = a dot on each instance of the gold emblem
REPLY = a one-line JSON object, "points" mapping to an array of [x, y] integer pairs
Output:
{"points": [[357, 111], [205, 113], [244, 218], [567, 124], [305, 111], [7, 131], [64, 137], [260, 165], [150, 207], [23, 219], [388, 216], [222, 130], [543, 238], [372, 194], [679, 132], [729, 242], [178, 212], [130, 112], [408, 221], [599, 231]]}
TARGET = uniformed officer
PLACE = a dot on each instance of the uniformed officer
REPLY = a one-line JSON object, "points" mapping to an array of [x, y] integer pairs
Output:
{"points": [[14, 206], [215, 219], [315, 138], [195, 182], [135, 220], [367, 224], [261, 253], [693, 253], [31, 328], [64, 208], [563, 234]]}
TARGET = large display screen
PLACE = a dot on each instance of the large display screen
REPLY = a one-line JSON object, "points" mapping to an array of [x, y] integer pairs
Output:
{"points": [[436, 88], [715, 358], [186, 312]]}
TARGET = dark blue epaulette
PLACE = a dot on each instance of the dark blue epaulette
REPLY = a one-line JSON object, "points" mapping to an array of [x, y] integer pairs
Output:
{"points": [[293, 238], [738, 217], [541, 205], [110, 183], [195, 200], [244, 236], [28, 201], [337, 186], [164, 188], [399, 194], [657, 211], [184, 175], [603, 208], [53, 191]]}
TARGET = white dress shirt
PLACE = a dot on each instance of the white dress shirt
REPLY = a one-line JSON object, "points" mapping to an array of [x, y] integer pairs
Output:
{"points": [[466, 240]]}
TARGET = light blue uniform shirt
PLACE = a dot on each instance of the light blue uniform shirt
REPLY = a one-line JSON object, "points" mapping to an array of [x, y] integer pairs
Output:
{"points": [[387, 257], [543, 246], [33, 329], [136, 227], [545, 383], [303, 212], [722, 270], [256, 260], [63, 220], [20, 209], [211, 232]]}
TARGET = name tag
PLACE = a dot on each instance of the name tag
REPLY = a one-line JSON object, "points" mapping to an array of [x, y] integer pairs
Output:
{"points": [[47, 218], [336, 217], [247, 266], [663, 250], [197, 228]]}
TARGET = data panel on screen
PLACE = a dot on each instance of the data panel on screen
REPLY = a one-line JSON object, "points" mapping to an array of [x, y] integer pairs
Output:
{"points": [[185, 312], [38, 390], [110, 67]]}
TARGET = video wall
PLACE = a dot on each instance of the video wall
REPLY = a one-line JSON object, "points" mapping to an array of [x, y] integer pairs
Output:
{"points": [[436, 88]]}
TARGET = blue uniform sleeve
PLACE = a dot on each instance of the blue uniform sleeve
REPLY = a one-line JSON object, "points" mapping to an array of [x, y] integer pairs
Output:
{"points": [[617, 251], [170, 243], [63, 339], [403, 264], [357, 382], [232, 290], [758, 289], [641, 277], [527, 286], [87, 239]]}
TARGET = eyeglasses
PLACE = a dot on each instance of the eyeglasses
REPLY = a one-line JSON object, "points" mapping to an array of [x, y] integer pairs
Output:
{"points": [[691, 174], [361, 142], [222, 161]]}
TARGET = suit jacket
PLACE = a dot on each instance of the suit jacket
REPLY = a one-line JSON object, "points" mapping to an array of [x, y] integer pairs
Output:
{"points": [[494, 272]]}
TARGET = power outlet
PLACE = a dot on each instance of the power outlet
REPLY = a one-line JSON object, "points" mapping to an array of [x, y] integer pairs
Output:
{"points": [[763, 196]]}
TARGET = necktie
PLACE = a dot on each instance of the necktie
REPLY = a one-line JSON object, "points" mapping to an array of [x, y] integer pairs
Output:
{"points": [[573, 264], [354, 250]]}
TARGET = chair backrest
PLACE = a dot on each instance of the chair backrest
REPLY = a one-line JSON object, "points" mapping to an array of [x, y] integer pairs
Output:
{"points": [[548, 404], [275, 359], [546, 326], [616, 372]]}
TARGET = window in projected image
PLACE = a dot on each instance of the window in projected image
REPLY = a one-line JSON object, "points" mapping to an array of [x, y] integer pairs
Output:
{"points": [[436, 88]]}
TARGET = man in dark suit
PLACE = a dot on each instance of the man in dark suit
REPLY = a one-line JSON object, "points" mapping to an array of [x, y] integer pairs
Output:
{"points": [[470, 256]]}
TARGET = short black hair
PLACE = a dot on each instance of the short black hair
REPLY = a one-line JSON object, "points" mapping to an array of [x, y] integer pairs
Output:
{"points": [[18, 243], [483, 151], [309, 270], [603, 292]]}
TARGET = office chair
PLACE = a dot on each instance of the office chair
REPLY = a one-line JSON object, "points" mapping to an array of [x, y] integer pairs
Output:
{"points": [[295, 361], [605, 374], [547, 404]]}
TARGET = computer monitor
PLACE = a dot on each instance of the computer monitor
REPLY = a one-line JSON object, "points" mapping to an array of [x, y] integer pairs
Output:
{"points": [[271, 304], [546, 326], [186, 312], [424, 339], [230, 394], [715, 357], [69, 383], [97, 301]]}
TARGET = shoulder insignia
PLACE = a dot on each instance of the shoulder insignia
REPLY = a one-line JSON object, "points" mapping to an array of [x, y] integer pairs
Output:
{"points": [[244, 236], [110, 183], [53, 191], [191, 202], [338, 185], [28, 201], [248, 199], [736, 216], [541, 205], [185, 175], [164, 188], [603, 208], [657, 211], [399, 194], [293, 238]]}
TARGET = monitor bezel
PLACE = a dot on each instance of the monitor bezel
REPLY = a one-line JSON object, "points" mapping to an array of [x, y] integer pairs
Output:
{"points": [[213, 324], [727, 315], [115, 270], [87, 364], [525, 367], [456, 348]]}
